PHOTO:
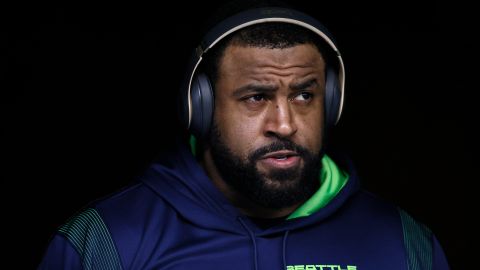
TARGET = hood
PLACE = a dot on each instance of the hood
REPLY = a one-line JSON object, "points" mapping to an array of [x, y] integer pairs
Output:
{"points": [[180, 181]]}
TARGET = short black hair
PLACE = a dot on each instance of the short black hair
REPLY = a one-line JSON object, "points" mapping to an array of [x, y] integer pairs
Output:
{"points": [[271, 35]]}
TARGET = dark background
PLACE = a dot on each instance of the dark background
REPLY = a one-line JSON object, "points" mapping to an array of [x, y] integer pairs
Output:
{"points": [[87, 95]]}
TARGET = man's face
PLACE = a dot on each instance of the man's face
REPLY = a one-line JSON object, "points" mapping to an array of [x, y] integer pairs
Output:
{"points": [[268, 122]]}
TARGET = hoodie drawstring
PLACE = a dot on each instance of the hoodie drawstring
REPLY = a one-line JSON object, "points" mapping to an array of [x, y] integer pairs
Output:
{"points": [[284, 250], [252, 237]]}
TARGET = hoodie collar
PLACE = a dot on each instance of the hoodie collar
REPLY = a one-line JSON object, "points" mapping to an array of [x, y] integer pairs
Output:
{"points": [[332, 180]]}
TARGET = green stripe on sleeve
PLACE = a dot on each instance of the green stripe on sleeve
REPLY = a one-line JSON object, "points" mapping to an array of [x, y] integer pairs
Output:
{"points": [[418, 243], [91, 238]]}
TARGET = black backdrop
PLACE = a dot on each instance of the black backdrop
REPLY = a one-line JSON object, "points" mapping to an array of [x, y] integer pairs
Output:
{"points": [[87, 94]]}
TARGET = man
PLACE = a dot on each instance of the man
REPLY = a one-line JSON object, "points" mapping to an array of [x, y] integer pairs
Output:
{"points": [[260, 192]]}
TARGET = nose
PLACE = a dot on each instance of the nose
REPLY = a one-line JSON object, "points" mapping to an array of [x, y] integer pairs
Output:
{"points": [[280, 120]]}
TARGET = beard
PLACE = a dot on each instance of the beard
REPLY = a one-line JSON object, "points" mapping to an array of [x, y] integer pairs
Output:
{"points": [[276, 189]]}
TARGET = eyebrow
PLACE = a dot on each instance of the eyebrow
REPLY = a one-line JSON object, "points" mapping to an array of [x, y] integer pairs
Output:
{"points": [[261, 89], [257, 88], [304, 85]]}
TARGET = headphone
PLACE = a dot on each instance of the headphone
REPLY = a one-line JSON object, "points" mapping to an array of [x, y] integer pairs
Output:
{"points": [[197, 94]]}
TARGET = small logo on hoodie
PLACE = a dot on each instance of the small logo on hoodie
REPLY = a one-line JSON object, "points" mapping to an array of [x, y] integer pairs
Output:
{"points": [[321, 267]]}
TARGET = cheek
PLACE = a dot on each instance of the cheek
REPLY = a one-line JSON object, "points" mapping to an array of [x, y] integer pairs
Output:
{"points": [[311, 133], [237, 131], [317, 137]]}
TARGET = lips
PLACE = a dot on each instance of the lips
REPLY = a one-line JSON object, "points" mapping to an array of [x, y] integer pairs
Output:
{"points": [[283, 159], [283, 154]]}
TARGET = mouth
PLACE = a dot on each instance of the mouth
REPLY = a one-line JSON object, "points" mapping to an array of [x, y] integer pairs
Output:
{"points": [[280, 159], [280, 155]]}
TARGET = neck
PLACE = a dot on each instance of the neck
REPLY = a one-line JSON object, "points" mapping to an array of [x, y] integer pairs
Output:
{"points": [[245, 205]]}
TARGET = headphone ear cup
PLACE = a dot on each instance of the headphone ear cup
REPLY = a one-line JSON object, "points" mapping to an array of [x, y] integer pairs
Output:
{"points": [[201, 93], [332, 97]]}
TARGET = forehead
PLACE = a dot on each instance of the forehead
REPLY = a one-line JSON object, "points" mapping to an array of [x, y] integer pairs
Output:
{"points": [[248, 59]]}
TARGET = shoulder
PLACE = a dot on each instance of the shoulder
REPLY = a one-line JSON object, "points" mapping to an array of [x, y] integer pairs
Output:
{"points": [[421, 248], [114, 228], [376, 209], [369, 207], [374, 206], [127, 213]]}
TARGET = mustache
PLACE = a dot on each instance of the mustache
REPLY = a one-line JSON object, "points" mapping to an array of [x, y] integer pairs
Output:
{"points": [[278, 145]]}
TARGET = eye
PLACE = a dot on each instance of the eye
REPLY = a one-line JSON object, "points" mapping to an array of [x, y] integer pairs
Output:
{"points": [[304, 96], [255, 98]]}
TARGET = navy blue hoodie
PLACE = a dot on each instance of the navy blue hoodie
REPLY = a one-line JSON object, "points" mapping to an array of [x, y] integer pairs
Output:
{"points": [[175, 218]]}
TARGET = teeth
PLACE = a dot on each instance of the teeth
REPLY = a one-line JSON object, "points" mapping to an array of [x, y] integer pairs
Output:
{"points": [[281, 158]]}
